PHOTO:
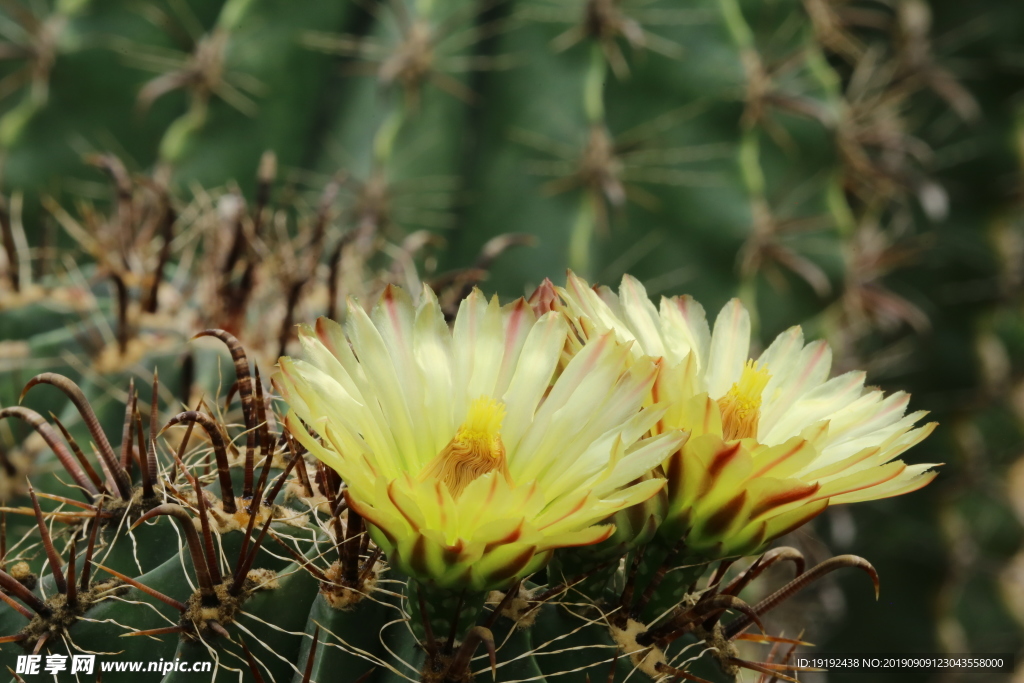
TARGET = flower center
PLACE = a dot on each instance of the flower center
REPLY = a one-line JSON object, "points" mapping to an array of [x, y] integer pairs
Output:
{"points": [[476, 448], [741, 405]]}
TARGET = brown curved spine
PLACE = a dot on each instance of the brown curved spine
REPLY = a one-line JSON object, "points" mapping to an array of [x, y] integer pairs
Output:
{"points": [[43, 428], [106, 451], [219, 450]]}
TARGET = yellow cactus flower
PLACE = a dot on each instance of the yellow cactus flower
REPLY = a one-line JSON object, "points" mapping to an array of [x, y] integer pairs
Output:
{"points": [[772, 441], [469, 463]]}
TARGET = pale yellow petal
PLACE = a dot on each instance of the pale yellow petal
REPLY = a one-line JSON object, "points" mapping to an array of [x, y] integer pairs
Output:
{"points": [[381, 374], [582, 387], [790, 384], [641, 316], [519, 320], [730, 345], [685, 331], [641, 459], [432, 348], [532, 377], [911, 479], [817, 404]]}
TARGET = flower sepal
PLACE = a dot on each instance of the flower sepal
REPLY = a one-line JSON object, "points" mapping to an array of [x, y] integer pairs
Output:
{"points": [[722, 505]]}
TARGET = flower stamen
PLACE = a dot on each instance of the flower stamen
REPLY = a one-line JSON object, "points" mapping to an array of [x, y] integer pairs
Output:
{"points": [[475, 450], [741, 405]]}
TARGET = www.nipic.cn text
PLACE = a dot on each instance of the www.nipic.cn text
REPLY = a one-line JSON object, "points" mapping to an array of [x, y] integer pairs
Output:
{"points": [[86, 664]]}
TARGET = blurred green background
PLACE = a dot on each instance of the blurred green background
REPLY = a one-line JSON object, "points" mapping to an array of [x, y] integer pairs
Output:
{"points": [[851, 166]]}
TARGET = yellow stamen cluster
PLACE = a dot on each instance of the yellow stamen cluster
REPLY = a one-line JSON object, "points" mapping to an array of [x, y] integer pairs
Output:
{"points": [[475, 450], [741, 405]]}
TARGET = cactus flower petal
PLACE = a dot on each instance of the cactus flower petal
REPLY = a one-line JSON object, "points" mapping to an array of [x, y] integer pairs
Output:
{"points": [[469, 460], [772, 441]]}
